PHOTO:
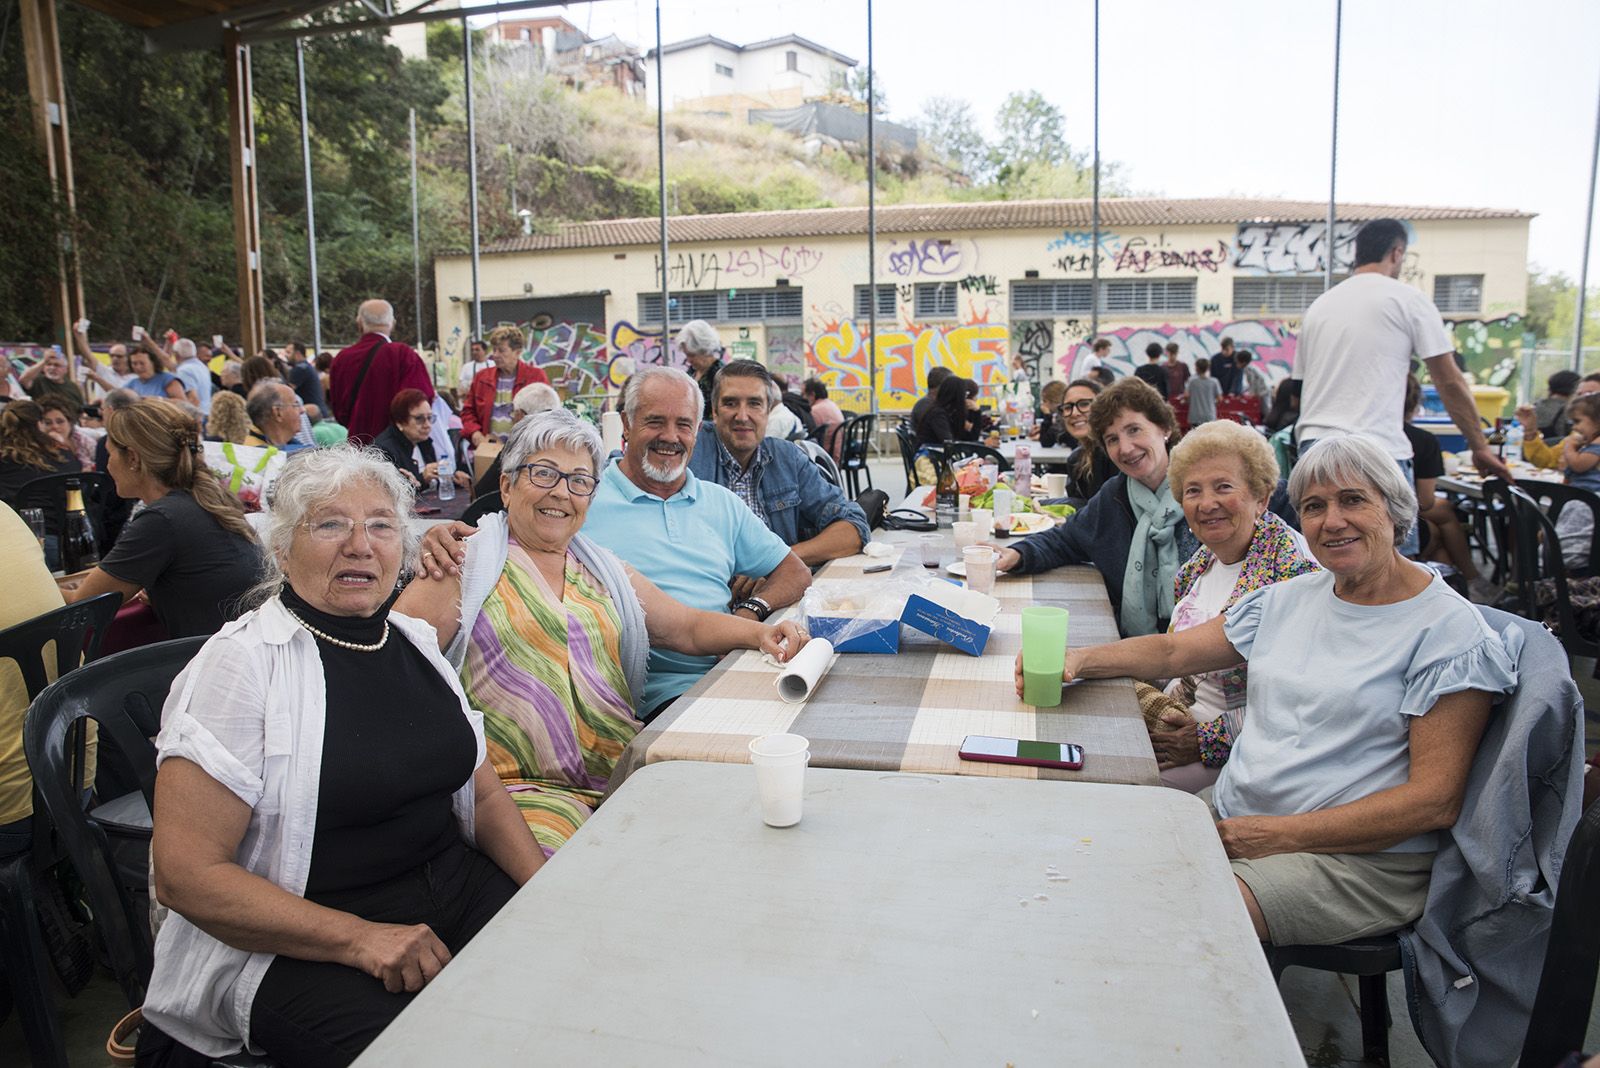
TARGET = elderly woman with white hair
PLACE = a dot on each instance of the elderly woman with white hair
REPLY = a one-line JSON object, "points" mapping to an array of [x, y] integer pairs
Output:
{"points": [[1370, 686], [702, 347], [551, 632], [328, 831]]}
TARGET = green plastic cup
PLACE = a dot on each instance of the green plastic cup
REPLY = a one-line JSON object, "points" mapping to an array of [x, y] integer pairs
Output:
{"points": [[1044, 654]]}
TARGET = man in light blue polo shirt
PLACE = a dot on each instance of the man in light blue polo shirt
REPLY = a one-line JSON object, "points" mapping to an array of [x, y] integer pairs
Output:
{"points": [[690, 537]]}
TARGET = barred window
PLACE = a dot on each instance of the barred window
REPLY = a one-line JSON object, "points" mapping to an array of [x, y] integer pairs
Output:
{"points": [[1458, 293], [885, 302], [1146, 296], [1286, 295], [934, 300], [1051, 298], [783, 304]]}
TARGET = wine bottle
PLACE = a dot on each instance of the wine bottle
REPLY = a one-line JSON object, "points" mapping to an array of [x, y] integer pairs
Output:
{"points": [[79, 550], [946, 496]]}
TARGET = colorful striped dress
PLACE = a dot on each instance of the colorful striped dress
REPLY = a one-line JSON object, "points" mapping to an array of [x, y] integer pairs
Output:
{"points": [[545, 670]]}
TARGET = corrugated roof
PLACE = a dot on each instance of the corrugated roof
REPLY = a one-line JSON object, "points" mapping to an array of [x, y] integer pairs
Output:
{"points": [[949, 218]]}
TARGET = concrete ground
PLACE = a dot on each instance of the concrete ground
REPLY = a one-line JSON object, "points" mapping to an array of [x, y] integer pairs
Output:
{"points": [[1322, 1006]]}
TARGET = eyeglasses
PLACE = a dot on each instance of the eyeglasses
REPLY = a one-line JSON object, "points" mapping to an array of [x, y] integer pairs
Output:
{"points": [[545, 477], [338, 528], [422, 417], [1077, 405]]}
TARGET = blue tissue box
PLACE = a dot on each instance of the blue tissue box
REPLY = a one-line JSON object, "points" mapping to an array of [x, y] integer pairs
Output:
{"points": [[882, 637], [954, 615]]}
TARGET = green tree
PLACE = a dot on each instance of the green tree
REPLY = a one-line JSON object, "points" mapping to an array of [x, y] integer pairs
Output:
{"points": [[853, 84], [1031, 131], [950, 131]]}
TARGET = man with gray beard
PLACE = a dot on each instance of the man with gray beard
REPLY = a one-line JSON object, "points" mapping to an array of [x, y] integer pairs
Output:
{"points": [[692, 538]]}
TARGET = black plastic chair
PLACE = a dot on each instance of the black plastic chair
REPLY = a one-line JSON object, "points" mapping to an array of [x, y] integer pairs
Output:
{"points": [[957, 451], [123, 694], [49, 492], [908, 454], [77, 630], [1571, 960], [853, 455], [1536, 555], [1371, 960], [482, 506]]}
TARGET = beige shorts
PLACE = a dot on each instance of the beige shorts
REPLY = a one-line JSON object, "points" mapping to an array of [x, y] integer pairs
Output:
{"points": [[1320, 899]]}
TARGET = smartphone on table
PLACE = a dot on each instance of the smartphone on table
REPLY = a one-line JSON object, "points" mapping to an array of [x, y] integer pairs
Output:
{"points": [[1063, 755]]}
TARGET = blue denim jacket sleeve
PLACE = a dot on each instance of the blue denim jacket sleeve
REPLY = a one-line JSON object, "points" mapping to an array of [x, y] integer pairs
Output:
{"points": [[799, 501]]}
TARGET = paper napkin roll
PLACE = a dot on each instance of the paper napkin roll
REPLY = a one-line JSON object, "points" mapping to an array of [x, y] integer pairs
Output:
{"points": [[801, 674]]}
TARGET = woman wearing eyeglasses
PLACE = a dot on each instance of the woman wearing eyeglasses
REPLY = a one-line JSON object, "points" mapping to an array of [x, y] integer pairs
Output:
{"points": [[551, 632], [328, 830], [1088, 467], [408, 443]]}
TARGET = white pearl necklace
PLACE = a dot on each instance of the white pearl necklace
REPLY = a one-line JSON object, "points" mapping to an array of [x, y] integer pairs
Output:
{"points": [[331, 640]]}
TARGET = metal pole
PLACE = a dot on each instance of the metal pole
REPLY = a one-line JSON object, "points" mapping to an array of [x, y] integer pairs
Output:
{"points": [[1583, 267], [472, 178], [1333, 153], [311, 215], [661, 162], [872, 233], [1094, 246], [416, 228]]}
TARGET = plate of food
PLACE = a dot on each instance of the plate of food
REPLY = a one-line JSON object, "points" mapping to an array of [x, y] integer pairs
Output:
{"points": [[1025, 523]]}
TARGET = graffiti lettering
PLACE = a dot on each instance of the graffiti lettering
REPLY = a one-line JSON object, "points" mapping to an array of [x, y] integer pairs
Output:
{"points": [[573, 354], [1210, 309], [1492, 348], [1074, 329], [979, 283], [1084, 239], [1073, 263], [975, 350], [706, 270], [1141, 258], [1033, 340], [1293, 248], [905, 293], [934, 256], [632, 347]]}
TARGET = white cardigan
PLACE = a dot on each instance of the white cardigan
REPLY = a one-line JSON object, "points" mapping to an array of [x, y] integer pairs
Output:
{"points": [[250, 710]]}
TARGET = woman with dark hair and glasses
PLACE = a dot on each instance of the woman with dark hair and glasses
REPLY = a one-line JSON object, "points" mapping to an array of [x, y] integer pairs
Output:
{"points": [[408, 443], [1088, 467], [550, 632]]}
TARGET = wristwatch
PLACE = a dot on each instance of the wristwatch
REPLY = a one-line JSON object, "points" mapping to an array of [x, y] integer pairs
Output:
{"points": [[755, 604]]}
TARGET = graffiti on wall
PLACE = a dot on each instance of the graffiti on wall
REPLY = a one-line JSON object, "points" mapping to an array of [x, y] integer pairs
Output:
{"points": [[1273, 342], [717, 269], [932, 257], [1492, 348], [632, 347], [1293, 248], [786, 350], [1034, 341], [574, 355], [1142, 257], [905, 354]]}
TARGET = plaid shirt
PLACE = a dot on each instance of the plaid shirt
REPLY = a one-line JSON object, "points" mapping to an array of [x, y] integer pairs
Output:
{"points": [[743, 483]]}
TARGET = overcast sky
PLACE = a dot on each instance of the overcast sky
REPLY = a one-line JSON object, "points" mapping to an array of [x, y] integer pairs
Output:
{"points": [[1466, 103]]}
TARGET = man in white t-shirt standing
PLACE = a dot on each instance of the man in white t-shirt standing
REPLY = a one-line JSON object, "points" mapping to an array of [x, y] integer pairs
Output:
{"points": [[1355, 351], [478, 359]]}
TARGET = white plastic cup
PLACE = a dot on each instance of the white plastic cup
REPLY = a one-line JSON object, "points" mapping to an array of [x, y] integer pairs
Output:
{"points": [[932, 545], [980, 562], [966, 534], [963, 505], [780, 761], [1003, 501], [1055, 484], [983, 519]]}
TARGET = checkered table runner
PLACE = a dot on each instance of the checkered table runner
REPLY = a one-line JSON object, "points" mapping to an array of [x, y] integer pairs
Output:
{"points": [[910, 711]]}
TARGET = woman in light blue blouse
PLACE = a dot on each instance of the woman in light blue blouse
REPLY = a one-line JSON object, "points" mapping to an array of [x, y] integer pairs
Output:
{"points": [[1369, 688]]}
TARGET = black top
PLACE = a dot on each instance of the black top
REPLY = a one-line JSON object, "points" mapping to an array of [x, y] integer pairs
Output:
{"points": [[395, 747], [936, 427], [307, 385], [1154, 374], [193, 569], [1224, 370], [709, 383], [1427, 457], [13, 476], [397, 447]]}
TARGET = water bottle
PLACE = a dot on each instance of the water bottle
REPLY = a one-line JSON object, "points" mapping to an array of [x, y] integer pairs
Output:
{"points": [[1022, 469], [1514, 440], [447, 477]]}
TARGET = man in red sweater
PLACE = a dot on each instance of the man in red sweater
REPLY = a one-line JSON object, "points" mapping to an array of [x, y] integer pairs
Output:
{"points": [[366, 376], [486, 413]]}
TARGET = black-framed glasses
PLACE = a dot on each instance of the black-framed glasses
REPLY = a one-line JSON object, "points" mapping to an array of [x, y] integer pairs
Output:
{"points": [[544, 476], [1077, 405]]}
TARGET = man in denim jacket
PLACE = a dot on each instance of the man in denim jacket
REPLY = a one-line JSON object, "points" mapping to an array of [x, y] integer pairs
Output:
{"points": [[775, 478]]}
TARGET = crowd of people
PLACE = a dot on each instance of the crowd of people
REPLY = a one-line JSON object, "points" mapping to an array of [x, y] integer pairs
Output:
{"points": [[362, 765]]}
